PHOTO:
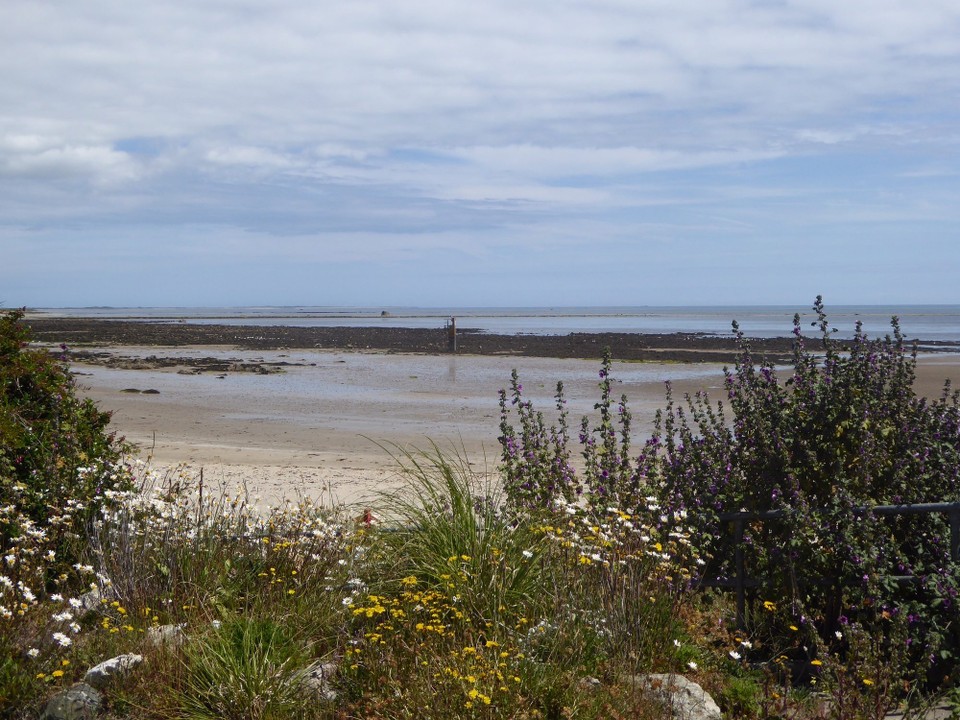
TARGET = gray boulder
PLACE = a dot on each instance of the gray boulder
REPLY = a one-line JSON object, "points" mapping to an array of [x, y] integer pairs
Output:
{"points": [[99, 676], [685, 699], [78, 702], [94, 600], [318, 680], [172, 635]]}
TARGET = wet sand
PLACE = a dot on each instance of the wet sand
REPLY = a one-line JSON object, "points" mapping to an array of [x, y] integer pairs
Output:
{"points": [[323, 421], [329, 421]]}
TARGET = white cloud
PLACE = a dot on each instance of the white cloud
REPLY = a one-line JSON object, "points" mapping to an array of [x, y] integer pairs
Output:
{"points": [[447, 119], [33, 156]]}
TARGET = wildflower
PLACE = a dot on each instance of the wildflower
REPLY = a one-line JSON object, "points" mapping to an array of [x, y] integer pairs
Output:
{"points": [[692, 665], [32, 653], [816, 663], [868, 682], [734, 654], [62, 639], [746, 643], [769, 605]]}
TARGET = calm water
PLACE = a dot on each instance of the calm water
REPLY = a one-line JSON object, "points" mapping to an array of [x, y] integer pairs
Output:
{"points": [[926, 322]]}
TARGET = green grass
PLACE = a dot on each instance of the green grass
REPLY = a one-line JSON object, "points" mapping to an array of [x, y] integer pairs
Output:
{"points": [[451, 607]]}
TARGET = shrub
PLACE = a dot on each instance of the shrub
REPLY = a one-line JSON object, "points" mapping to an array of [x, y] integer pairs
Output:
{"points": [[248, 669], [54, 446], [845, 430], [840, 430]]}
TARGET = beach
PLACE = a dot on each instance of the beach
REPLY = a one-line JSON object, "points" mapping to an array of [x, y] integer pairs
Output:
{"points": [[327, 423]]}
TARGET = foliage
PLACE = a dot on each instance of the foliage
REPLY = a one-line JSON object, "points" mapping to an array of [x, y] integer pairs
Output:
{"points": [[843, 431], [55, 449], [840, 431], [247, 669]]}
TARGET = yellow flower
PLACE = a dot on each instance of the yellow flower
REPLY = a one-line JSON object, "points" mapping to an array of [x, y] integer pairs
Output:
{"points": [[868, 682], [818, 663], [57, 673], [794, 628], [769, 605]]}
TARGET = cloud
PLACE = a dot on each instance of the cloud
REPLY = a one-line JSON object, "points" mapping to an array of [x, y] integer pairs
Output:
{"points": [[484, 124]]}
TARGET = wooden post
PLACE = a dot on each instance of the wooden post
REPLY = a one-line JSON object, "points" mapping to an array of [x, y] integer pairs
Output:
{"points": [[954, 532], [452, 335], [741, 580]]}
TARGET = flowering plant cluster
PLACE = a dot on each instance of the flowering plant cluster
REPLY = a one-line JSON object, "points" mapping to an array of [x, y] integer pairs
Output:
{"points": [[814, 444], [840, 431]]}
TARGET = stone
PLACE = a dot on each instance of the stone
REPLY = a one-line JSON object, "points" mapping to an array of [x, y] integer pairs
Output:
{"points": [[99, 676], [172, 635], [78, 702], [318, 680], [685, 699], [95, 599]]}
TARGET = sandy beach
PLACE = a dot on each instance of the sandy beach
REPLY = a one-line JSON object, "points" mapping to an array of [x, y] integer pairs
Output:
{"points": [[324, 423], [320, 411], [327, 425]]}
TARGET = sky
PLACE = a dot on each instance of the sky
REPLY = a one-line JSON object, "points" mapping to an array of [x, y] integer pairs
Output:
{"points": [[495, 153]]}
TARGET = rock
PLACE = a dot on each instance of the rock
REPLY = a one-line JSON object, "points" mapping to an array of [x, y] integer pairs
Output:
{"points": [[99, 676], [95, 599], [318, 680], [589, 683], [172, 635], [685, 699], [78, 702]]}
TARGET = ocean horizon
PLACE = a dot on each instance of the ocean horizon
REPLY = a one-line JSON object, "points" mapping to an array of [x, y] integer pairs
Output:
{"points": [[925, 322]]}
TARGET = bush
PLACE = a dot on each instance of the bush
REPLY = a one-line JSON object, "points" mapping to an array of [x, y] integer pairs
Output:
{"points": [[59, 466], [839, 431], [844, 431], [54, 446]]}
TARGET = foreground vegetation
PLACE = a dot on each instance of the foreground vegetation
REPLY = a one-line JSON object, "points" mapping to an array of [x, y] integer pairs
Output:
{"points": [[542, 592]]}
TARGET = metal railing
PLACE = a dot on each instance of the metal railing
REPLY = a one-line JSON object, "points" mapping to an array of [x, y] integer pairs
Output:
{"points": [[740, 583]]}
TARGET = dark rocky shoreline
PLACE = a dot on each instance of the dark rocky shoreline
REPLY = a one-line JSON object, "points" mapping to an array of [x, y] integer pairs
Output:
{"points": [[669, 347]]}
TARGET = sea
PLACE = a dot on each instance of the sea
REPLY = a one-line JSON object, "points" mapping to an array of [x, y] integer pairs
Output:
{"points": [[939, 323]]}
